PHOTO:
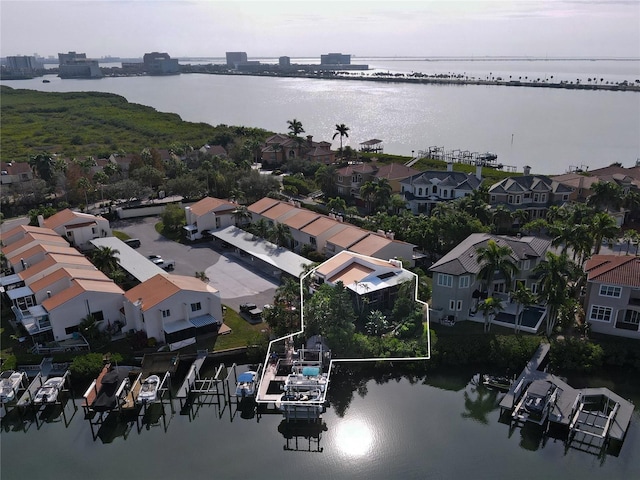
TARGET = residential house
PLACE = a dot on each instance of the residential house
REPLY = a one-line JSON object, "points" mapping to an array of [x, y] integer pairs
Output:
{"points": [[15, 172], [349, 179], [173, 309], [78, 228], [20, 260], [394, 173], [123, 161], [612, 303], [19, 232], [208, 214], [372, 282], [423, 191], [328, 234], [213, 150], [279, 148], [531, 193], [457, 290]]}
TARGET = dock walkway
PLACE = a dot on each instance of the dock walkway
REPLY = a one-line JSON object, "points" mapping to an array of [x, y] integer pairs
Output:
{"points": [[193, 375]]}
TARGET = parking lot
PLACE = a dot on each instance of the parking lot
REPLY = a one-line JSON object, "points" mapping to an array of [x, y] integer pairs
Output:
{"points": [[236, 281]]}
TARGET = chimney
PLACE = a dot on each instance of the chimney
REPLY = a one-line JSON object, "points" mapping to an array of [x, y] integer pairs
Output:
{"points": [[527, 170], [478, 171], [391, 235], [449, 166], [381, 233], [48, 293], [310, 140], [40, 221]]}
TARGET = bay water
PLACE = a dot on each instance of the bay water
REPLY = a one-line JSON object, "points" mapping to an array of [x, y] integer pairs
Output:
{"points": [[551, 130]]}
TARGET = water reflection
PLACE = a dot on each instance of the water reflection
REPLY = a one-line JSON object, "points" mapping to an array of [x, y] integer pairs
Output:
{"points": [[302, 436], [354, 438], [479, 401]]}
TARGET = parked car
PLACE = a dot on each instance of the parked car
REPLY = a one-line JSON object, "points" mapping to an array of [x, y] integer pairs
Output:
{"points": [[247, 307], [157, 259], [133, 242]]}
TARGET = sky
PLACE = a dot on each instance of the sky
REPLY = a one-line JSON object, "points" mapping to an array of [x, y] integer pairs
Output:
{"points": [[308, 28]]}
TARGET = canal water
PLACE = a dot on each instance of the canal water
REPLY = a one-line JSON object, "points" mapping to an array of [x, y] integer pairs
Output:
{"points": [[379, 426]]}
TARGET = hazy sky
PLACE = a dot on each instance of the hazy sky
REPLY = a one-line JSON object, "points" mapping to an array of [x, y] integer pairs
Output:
{"points": [[554, 28]]}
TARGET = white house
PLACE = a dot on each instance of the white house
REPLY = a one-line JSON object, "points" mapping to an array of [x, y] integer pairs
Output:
{"points": [[78, 228], [173, 309], [208, 214]]}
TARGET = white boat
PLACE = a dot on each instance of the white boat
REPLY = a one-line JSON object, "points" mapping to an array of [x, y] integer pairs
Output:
{"points": [[246, 386], [10, 382], [48, 393], [149, 389], [310, 378]]}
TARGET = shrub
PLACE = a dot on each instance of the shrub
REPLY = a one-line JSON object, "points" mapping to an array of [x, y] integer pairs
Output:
{"points": [[576, 354], [88, 366]]}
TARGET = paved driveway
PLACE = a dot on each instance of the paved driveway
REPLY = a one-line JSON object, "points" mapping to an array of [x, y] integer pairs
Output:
{"points": [[236, 281]]}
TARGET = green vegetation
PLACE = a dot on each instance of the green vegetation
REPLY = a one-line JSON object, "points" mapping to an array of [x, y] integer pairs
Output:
{"points": [[92, 123], [242, 334], [86, 367]]}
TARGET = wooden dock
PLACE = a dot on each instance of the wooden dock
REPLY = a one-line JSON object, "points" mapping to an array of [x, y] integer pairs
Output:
{"points": [[194, 374]]}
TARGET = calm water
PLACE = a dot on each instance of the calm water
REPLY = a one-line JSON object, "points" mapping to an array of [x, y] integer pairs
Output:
{"points": [[549, 129], [441, 428]]}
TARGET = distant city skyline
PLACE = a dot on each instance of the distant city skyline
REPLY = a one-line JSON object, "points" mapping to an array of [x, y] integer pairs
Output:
{"points": [[306, 28]]}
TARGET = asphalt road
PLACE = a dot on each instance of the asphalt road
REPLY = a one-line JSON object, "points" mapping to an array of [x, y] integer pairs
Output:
{"points": [[236, 280]]}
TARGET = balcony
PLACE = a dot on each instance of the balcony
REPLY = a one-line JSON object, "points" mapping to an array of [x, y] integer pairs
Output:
{"points": [[35, 319]]}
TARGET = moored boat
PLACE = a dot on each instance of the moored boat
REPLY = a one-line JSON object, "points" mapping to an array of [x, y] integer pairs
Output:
{"points": [[48, 393], [149, 389], [498, 382], [10, 382], [246, 386]]}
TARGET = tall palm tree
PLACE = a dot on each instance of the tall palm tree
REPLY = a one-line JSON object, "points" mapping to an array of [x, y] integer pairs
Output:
{"points": [[241, 215], [523, 297], [261, 228], [382, 192], [295, 127], [631, 237], [343, 131], [494, 259], [43, 165], [85, 185], [555, 274], [490, 308], [277, 148], [280, 235], [607, 195], [367, 192], [501, 217], [603, 226], [105, 259]]}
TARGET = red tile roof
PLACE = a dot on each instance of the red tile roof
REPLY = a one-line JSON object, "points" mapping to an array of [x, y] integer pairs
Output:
{"points": [[614, 269]]}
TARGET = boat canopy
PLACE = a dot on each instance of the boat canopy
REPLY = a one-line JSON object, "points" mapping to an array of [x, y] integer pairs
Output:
{"points": [[245, 377], [311, 371]]}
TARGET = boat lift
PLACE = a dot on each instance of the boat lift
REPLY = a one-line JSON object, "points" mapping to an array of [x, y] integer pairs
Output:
{"points": [[589, 425]]}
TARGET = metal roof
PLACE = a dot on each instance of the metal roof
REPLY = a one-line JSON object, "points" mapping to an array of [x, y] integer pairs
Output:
{"points": [[268, 252], [134, 263]]}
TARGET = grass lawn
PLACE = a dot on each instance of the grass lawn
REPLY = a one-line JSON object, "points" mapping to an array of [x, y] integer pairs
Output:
{"points": [[242, 332], [121, 235]]}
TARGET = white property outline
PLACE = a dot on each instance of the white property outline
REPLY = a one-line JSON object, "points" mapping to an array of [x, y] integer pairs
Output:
{"points": [[425, 306]]}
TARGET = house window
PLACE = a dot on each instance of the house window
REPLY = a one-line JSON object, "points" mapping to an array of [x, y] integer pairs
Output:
{"points": [[565, 197], [526, 265], [312, 240], [632, 317], [610, 291], [99, 316], [499, 287], [420, 192], [536, 197], [459, 305], [452, 305], [527, 195], [518, 199], [534, 288], [445, 193], [445, 280], [340, 178], [166, 313], [435, 189], [510, 199], [93, 230], [196, 307], [600, 313], [493, 198], [70, 330], [463, 281], [543, 197]]}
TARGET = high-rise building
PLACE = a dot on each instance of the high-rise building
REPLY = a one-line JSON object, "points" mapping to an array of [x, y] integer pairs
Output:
{"points": [[236, 58], [284, 61], [156, 63], [77, 65], [23, 64], [335, 59]]}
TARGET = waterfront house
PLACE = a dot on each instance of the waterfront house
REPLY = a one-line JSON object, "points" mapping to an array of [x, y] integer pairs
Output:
{"points": [[612, 303], [349, 179], [531, 193], [372, 282], [279, 148], [423, 191], [173, 309], [78, 228], [208, 214], [457, 290]]}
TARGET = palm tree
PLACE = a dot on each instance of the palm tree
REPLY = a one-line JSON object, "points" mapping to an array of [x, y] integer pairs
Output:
{"points": [[337, 204], [494, 259], [554, 277], [382, 192], [501, 217], [84, 184], [261, 228], [490, 308], [105, 259], [280, 235], [607, 195], [43, 165], [523, 297], [631, 236], [377, 323], [295, 127], [241, 215], [367, 192], [277, 148], [603, 226], [288, 293], [343, 131], [522, 216]]}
